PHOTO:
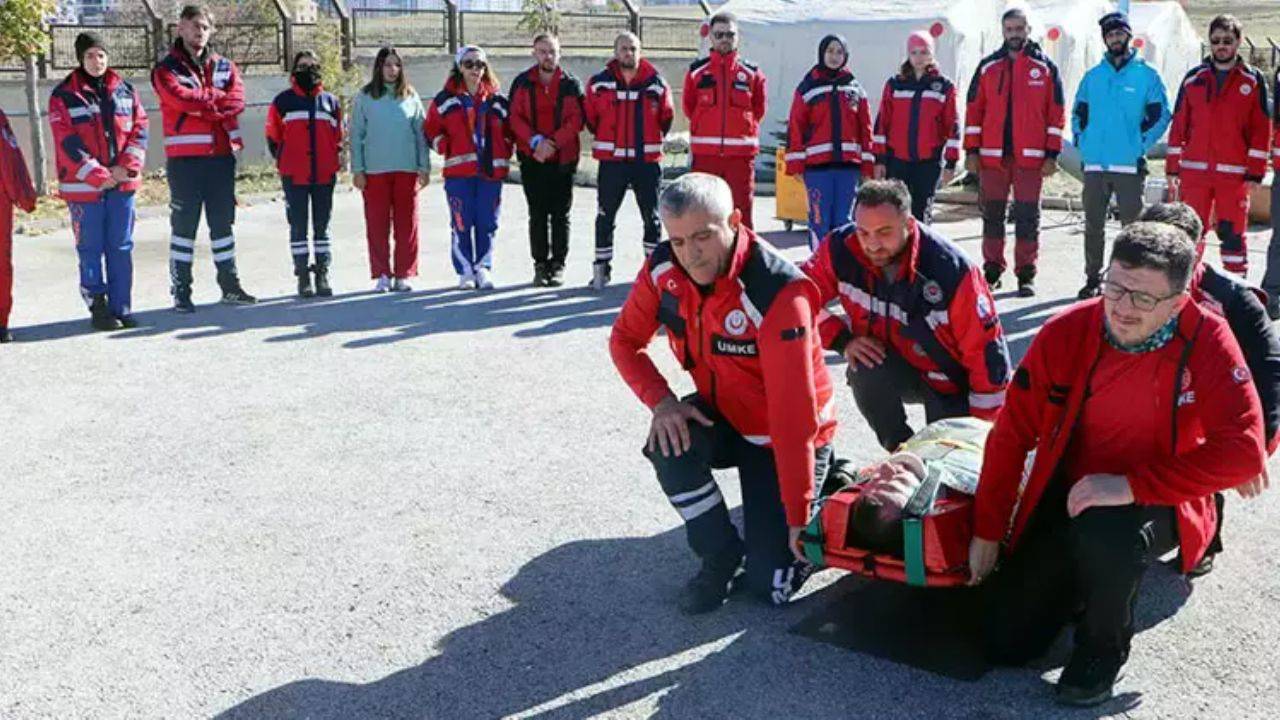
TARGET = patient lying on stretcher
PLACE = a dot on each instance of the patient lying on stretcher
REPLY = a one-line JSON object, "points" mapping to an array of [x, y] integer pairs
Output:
{"points": [[940, 461]]}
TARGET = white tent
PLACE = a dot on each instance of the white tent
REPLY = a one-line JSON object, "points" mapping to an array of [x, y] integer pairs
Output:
{"points": [[782, 36], [1166, 38]]}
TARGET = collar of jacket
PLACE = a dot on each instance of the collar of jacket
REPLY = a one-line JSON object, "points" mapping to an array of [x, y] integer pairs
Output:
{"points": [[728, 60], [1208, 64], [644, 71], [536, 79], [835, 77], [1130, 60], [910, 254], [78, 79]]}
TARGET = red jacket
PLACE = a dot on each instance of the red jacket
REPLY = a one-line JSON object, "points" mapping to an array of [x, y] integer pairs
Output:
{"points": [[86, 144], [200, 104], [15, 182], [553, 111], [724, 99], [918, 120], [1275, 123], [304, 135], [1015, 108], [628, 120], [1220, 132], [1213, 439], [750, 348], [938, 315], [830, 122], [455, 118]]}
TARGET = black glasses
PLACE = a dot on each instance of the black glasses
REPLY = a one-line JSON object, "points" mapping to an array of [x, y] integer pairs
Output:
{"points": [[1225, 41], [473, 64], [1144, 301], [724, 34]]}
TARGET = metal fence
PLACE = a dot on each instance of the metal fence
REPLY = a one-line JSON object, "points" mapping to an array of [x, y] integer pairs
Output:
{"points": [[659, 33], [131, 45], [402, 28], [588, 30], [247, 43], [1265, 54]]}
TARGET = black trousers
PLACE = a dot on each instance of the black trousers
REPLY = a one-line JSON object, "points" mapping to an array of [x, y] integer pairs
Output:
{"points": [[613, 180], [921, 179], [771, 571], [299, 202], [205, 184], [1088, 567], [548, 188], [882, 392]]}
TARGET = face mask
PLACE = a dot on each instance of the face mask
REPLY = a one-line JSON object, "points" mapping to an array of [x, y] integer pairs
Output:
{"points": [[307, 78]]}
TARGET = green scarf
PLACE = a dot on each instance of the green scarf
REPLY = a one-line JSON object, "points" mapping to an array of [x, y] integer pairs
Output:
{"points": [[1155, 341]]}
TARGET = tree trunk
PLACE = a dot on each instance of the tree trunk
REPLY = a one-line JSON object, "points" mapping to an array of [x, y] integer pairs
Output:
{"points": [[39, 154]]}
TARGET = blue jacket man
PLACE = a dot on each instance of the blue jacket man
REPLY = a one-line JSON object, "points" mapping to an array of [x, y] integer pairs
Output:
{"points": [[1120, 111]]}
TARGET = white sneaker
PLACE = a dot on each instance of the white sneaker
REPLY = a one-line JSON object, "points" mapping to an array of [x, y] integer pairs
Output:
{"points": [[466, 281], [399, 285], [383, 284], [484, 281]]}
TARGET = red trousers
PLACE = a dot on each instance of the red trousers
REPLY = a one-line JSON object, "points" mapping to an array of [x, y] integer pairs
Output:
{"points": [[1026, 184], [6, 260], [391, 201], [739, 172], [1227, 197]]}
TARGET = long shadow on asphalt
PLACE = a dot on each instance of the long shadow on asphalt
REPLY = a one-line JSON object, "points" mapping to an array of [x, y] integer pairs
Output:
{"points": [[594, 629], [375, 319]]}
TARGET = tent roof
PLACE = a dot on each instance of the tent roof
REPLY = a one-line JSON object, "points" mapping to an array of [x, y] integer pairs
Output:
{"points": [[791, 11]]}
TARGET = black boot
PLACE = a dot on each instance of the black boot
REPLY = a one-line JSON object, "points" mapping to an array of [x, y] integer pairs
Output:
{"points": [[1026, 281], [1089, 677], [102, 319], [5, 336], [233, 294], [709, 589], [304, 285], [322, 281], [182, 299], [992, 273]]}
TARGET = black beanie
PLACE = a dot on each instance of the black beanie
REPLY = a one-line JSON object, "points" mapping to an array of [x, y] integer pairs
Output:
{"points": [[826, 41], [1115, 21], [86, 40]]}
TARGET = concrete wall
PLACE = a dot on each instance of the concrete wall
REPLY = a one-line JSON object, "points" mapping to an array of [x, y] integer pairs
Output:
{"points": [[426, 73]]}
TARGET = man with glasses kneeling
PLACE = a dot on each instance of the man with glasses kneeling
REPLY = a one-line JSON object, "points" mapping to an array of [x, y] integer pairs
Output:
{"points": [[1129, 412]]}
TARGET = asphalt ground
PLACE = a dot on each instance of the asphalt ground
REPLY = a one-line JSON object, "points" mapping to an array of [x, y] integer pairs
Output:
{"points": [[433, 505]]}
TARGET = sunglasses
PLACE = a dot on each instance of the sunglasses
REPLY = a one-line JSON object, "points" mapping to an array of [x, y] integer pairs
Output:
{"points": [[1222, 41], [724, 34], [473, 64]]}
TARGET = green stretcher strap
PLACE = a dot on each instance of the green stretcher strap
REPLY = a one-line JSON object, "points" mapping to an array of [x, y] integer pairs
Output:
{"points": [[913, 550], [812, 539]]}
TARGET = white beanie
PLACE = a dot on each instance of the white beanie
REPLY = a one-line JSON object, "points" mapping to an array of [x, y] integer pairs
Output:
{"points": [[462, 52]]}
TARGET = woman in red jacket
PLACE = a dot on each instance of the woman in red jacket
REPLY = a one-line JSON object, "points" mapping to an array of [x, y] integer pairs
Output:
{"points": [[467, 124], [917, 129], [829, 138], [304, 133], [15, 190]]}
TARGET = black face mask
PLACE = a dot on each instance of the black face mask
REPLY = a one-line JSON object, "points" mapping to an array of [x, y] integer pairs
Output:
{"points": [[307, 78]]}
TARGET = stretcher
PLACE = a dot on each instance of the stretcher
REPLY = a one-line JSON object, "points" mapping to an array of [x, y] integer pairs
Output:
{"points": [[937, 525], [790, 197]]}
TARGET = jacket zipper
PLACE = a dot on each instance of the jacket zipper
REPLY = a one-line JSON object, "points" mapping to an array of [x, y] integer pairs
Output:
{"points": [[724, 106], [704, 348]]}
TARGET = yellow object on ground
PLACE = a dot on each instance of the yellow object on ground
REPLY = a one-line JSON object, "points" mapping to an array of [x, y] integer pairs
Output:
{"points": [[791, 198]]}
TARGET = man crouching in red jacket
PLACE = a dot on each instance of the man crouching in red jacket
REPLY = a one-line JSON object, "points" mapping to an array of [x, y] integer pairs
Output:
{"points": [[1118, 476], [740, 319]]}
